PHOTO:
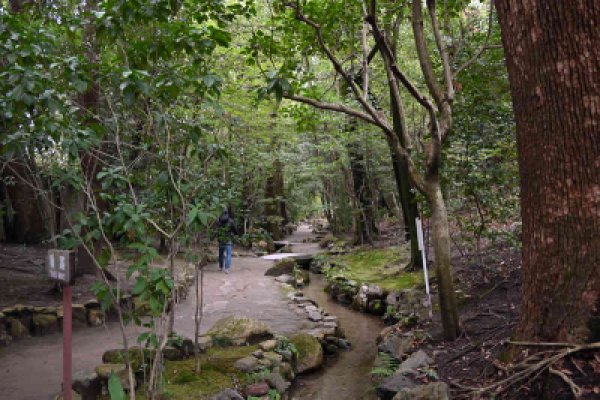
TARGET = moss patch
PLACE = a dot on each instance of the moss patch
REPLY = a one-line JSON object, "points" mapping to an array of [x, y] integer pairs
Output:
{"points": [[377, 266], [217, 372]]}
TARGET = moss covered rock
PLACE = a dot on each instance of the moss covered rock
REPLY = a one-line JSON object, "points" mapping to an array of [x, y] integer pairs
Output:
{"points": [[136, 357], [16, 329], [44, 324], [310, 352], [283, 266], [239, 330]]}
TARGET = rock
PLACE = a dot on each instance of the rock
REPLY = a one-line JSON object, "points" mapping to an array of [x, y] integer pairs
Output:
{"points": [[95, 317], [258, 354], [16, 329], [172, 353], [311, 307], [344, 344], [136, 358], [310, 352], [285, 278], [204, 343], [257, 389], [287, 371], [301, 277], [330, 349], [416, 360], [104, 372], [431, 391], [87, 385], [74, 396], [287, 355], [314, 316], [330, 318], [265, 363], [186, 347], [283, 266], [227, 394], [277, 382], [376, 307], [246, 364], [391, 385], [397, 344], [44, 324], [79, 315], [268, 345], [240, 330], [275, 358]]}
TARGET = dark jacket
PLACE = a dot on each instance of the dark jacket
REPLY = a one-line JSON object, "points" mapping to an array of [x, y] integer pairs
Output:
{"points": [[225, 229]]}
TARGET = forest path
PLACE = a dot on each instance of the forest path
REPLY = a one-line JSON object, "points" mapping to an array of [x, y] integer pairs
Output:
{"points": [[32, 369]]}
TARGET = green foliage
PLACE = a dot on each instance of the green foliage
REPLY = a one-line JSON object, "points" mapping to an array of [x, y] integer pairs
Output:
{"points": [[388, 365], [115, 389]]}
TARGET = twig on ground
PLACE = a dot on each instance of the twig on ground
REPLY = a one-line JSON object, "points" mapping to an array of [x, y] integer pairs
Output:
{"points": [[576, 390]]}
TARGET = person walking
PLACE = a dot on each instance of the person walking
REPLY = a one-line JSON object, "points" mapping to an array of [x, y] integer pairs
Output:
{"points": [[225, 231]]}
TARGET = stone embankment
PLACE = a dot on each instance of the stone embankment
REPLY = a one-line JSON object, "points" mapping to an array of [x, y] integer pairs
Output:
{"points": [[22, 321], [406, 370]]}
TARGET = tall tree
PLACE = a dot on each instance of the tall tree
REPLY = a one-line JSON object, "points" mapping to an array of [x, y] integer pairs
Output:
{"points": [[553, 63]]}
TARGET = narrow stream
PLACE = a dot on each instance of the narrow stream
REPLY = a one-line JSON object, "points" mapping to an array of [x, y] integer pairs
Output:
{"points": [[347, 375]]}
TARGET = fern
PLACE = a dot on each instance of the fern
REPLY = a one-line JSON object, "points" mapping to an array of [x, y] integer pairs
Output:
{"points": [[389, 365]]}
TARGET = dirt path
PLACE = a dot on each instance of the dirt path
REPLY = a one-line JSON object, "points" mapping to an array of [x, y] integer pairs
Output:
{"points": [[32, 369]]}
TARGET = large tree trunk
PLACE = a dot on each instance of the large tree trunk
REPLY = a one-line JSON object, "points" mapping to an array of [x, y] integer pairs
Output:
{"points": [[364, 213], [406, 190], [441, 251], [553, 61]]}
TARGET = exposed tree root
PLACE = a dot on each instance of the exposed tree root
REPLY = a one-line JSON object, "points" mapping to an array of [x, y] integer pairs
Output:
{"points": [[529, 369]]}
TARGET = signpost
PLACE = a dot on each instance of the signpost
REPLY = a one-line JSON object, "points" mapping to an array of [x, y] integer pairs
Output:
{"points": [[424, 258], [61, 267]]}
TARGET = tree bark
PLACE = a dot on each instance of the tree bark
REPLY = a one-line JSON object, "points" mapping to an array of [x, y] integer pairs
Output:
{"points": [[441, 250], [406, 191], [553, 61], [364, 214]]}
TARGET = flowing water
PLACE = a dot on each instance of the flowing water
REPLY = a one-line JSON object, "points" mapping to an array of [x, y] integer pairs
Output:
{"points": [[347, 375]]}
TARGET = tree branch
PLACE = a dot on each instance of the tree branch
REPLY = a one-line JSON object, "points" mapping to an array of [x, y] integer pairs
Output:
{"points": [[423, 54], [442, 50], [483, 47]]}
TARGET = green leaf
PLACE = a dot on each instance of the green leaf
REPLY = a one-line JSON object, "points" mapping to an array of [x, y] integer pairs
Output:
{"points": [[115, 389]]}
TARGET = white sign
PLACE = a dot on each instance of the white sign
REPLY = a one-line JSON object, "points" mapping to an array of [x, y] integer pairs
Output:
{"points": [[61, 265], [424, 258]]}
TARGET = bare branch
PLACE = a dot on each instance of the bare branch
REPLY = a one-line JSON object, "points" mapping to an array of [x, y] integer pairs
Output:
{"points": [[334, 107]]}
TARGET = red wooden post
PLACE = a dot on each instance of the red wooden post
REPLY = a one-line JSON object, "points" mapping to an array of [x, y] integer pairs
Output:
{"points": [[67, 342]]}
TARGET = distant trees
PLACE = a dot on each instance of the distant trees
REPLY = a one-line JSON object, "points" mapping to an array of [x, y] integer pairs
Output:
{"points": [[553, 57]]}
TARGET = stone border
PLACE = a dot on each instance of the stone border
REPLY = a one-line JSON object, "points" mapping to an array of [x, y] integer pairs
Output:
{"points": [[22, 321]]}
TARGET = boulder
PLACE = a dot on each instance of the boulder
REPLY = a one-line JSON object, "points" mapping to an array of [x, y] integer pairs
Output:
{"points": [[287, 371], [314, 316], [240, 330], [74, 396], [268, 345], [285, 278], [397, 343], [172, 353], [95, 316], [257, 389], [246, 364], [44, 324], [277, 382], [283, 266], [275, 358], [431, 391], [104, 372], [204, 343], [391, 385], [87, 385], [416, 360], [16, 329], [227, 394], [310, 352]]}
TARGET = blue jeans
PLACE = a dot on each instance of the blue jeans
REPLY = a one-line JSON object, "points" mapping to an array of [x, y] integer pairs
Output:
{"points": [[225, 251]]}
